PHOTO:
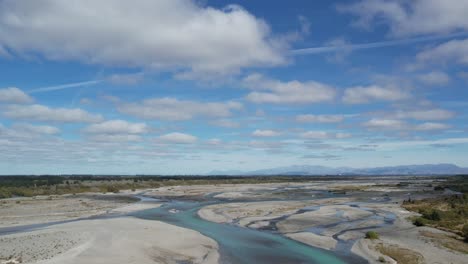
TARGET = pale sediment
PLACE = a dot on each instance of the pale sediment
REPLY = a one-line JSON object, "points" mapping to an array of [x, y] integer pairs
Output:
{"points": [[117, 240]]}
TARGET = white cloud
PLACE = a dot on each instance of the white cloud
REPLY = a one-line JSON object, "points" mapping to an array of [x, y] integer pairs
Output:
{"points": [[434, 78], [385, 124], [410, 17], [28, 128], [117, 127], [431, 126], [126, 79], [14, 95], [293, 92], [214, 141], [116, 138], [178, 110], [308, 118], [164, 34], [342, 48], [367, 94], [394, 124], [43, 113], [178, 138], [324, 135], [427, 114], [265, 133], [455, 51], [225, 123]]}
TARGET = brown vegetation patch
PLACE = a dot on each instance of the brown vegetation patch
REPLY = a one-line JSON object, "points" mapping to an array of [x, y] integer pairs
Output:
{"points": [[447, 241], [449, 213], [400, 255]]}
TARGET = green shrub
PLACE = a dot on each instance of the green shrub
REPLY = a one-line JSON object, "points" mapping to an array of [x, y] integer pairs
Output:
{"points": [[465, 232], [4, 193], [372, 235], [382, 259], [419, 221], [112, 188], [433, 215]]}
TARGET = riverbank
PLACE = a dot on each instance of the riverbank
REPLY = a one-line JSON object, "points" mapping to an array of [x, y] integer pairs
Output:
{"points": [[340, 224], [42, 209], [109, 240], [119, 240], [119, 228]]}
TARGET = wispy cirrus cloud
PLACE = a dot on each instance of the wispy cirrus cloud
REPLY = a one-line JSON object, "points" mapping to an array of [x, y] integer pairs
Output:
{"points": [[348, 47], [65, 86]]}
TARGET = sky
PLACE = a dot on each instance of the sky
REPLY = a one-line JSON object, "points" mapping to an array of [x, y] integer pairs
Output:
{"points": [[188, 87]]}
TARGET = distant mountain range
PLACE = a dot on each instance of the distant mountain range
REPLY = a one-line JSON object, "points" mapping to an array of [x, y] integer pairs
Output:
{"points": [[425, 169]]}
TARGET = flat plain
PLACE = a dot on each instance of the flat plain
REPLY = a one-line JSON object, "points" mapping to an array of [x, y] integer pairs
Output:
{"points": [[149, 225]]}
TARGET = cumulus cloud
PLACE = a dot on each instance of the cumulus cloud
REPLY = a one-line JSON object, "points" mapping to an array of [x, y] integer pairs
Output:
{"points": [[214, 141], [226, 123], [293, 92], [454, 51], [434, 78], [14, 95], [367, 94], [117, 127], [385, 124], [309, 118], [425, 114], [324, 135], [178, 138], [126, 79], [163, 34], [38, 112], [431, 126], [394, 124], [410, 17], [178, 110], [115, 138], [33, 129], [265, 133]]}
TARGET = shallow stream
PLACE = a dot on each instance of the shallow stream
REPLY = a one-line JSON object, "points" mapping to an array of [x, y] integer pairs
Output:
{"points": [[241, 245]]}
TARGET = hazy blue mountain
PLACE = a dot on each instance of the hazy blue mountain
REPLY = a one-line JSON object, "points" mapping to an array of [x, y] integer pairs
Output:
{"points": [[424, 169]]}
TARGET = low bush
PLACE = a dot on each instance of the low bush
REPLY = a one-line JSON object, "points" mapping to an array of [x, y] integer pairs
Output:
{"points": [[465, 232], [4, 193], [372, 235], [111, 188], [419, 221]]}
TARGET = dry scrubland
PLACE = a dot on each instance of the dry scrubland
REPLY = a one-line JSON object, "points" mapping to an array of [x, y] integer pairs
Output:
{"points": [[327, 213]]}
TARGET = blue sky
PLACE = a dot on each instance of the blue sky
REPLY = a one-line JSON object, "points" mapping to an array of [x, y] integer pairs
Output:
{"points": [[187, 87]]}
